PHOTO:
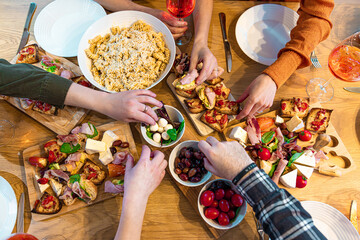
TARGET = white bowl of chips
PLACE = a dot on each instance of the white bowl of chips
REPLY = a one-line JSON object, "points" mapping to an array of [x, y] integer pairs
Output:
{"points": [[116, 57]]}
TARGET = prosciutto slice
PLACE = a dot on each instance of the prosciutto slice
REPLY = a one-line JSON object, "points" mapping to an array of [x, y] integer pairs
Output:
{"points": [[191, 76], [56, 173], [71, 138], [67, 74], [279, 170], [48, 61], [85, 128], [67, 194], [120, 158], [112, 188], [320, 155], [73, 158], [210, 95], [79, 191], [253, 130]]}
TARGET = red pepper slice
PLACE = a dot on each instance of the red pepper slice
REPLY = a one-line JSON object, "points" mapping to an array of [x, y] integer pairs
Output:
{"points": [[92, 175], [30, 50], [52, 157], [48, 144], [43, 180], [283, 106], [210, 119], [223, 119]]}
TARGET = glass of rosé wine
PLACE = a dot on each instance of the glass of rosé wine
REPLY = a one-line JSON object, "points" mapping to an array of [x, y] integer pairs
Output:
{"points": [[344, 64], [181, 9]]}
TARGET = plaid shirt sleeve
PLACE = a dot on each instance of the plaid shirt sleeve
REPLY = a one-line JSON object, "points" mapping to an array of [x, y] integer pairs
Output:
{"points": [[281, 215]]}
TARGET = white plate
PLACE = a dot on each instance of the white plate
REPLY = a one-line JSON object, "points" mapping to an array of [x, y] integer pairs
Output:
{"points": [[122, 19], [332, 223], [8, 208], [61, 24], [261, 31]]}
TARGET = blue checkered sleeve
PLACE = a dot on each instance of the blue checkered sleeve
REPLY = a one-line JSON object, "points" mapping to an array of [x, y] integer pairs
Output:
{"points": [[281, 215]]}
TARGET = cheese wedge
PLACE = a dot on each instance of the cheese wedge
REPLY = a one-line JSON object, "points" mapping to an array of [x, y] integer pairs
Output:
{"points": [[294, 124], [95, 146], [239, 134], [42, 187], [304, 170], [307, 159], [109, 137], [289, 179], [106, 157], [279, 120], [56, 186], [266, 166]]}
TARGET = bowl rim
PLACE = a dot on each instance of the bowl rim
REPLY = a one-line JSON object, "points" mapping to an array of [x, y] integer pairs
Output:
{"points": [[239, 217], [172, 157], [82, 58], [155, 144]]}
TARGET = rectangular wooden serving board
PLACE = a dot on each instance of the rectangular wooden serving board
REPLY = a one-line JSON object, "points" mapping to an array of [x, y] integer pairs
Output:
{"points": [[200, 127], [66, 118], [121, 129], [339, 157]]}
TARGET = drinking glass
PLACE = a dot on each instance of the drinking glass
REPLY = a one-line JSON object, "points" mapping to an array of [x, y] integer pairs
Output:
{"points": [[344, 64], [181, 9]]}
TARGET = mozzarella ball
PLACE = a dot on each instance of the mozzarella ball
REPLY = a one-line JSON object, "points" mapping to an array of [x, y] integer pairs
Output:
{"points": [[154, 128], [157, 137], [165, 136], [162, 122], [167, 127], [160, 129]]}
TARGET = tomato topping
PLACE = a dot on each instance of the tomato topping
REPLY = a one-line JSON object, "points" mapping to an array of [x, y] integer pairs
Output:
{"points": [[48, 144], [210, 119], [224, 120], [220, 103], [283, 106], [43, 180], [189, 91], [217, 91], [52, 157], [92, 175], [36, 203], [21, 57], [46, 203], [47, 106], [30, 50]]}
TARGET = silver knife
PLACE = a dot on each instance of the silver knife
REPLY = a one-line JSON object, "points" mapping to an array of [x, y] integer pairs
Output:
{"points": [[352, 89], [226, 42], [20, 215], [26, 33]]}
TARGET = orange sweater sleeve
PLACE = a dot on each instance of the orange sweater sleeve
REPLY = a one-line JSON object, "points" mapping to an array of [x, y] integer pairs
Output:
{"points": [[313, 26]]}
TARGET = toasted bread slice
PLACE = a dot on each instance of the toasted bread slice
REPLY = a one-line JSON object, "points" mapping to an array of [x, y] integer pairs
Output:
{"points": [[29, 54], [48, 204], [227, 107], [203, 91], [44, 108], [186, 93], [93, 172], [68, 196], [221, 91], [318, 119], [294, 106], [186, 87], [26, 103], [195, 105], [215, 81], [215, 120], [89, 187]]}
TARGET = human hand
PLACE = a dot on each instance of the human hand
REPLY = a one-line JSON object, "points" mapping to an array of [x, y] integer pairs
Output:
{"points": [[143, 179], [224, 159], [201, 53], [131, 106], [177, 27], [259, 94]]}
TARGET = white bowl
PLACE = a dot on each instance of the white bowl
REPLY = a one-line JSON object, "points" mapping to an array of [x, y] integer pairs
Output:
{"points": [[175, 153], [122, 19], [175, 116], [213, 223]]}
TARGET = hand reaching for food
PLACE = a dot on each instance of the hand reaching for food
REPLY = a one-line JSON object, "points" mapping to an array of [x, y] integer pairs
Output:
{"points": [[259, 95], [202, 54], [224, 159], [143, 178]]}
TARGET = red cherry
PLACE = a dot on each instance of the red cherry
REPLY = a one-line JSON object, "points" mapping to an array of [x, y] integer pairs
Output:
{"points": [[207, 198], [237, 200], [224, 205], [219, 194], [212, 213], [223, 219]]}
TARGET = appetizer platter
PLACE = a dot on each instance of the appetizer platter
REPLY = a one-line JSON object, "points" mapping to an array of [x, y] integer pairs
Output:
{"points": [[61, 121], [210, 106], [75, 170], [292, 143]]}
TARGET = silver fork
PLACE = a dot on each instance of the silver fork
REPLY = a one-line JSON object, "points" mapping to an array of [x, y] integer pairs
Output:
{"points": [[259, 228], [314, 60]]}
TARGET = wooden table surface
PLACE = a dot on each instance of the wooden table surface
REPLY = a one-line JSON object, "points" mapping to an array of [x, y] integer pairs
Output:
{"points": [[169, 215]]}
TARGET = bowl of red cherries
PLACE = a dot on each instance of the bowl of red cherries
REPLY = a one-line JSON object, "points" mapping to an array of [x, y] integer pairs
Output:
{"points": [[220, 205]]}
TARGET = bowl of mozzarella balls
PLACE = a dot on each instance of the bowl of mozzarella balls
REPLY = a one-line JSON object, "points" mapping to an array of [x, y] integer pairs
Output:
{"points": [[168, 130]]}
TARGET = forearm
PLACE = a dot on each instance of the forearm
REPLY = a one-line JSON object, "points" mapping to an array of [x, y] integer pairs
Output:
{"points": [[202, 18], [121, 5], [281, 215], [132, 216]]}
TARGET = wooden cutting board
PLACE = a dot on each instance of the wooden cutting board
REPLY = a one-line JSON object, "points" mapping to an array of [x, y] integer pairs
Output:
{"points": [[68, 117], [121, 129], [200, 127], [339, 158]]}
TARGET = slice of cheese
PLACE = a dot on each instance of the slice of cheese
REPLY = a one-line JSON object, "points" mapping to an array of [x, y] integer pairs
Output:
{"points": [[266, 166], [109, 137], [289, 179], [279, 120], [42, 187], [239, 134], [106, 157], [294, 124], [95, 146], [307, 159], [304, 170], [56, 186]]}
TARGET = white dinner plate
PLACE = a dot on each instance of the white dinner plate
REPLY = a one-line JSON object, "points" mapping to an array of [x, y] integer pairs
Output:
{"points": [[332, 223], [8, 208], [61, 24], [122, 19], [262, 30]]}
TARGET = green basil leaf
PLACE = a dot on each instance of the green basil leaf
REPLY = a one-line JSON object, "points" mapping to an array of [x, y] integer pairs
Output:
{"points": [[68, 148], [74, 178], [275, 145], [180, 128], [294, 157], [118, 182], [95, 131], [267, 137], [273, 168], [172, 134], [149, 134]]}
